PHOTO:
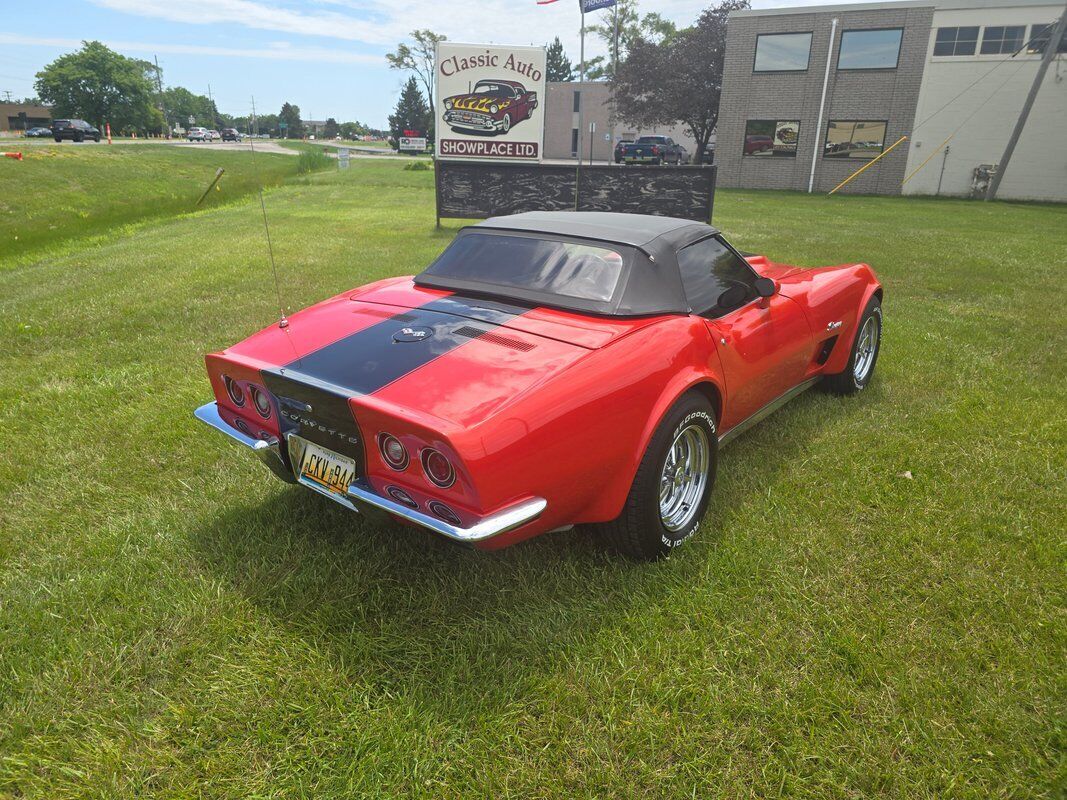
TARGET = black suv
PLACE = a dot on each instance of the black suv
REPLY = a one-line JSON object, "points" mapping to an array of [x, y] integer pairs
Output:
{"points": [[230, 135], [77, 129]]}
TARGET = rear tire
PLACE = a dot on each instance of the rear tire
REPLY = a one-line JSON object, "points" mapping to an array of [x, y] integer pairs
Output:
{"points": [[673, 484], [861, 361]]}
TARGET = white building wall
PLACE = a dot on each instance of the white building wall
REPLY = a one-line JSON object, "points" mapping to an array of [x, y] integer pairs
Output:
{"points": [[1038, 169]]}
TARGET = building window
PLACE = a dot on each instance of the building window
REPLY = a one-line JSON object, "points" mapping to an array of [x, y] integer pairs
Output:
{"points": [[574, 141], [1039, 35], [956, 41], [1000, 39], [782, 52], [854, 139], [769, 138], [577, 100], [871, 49]]}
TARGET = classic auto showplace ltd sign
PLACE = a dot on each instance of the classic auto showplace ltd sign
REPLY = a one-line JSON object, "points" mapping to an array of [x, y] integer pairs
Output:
{"points": [[489, 101]]}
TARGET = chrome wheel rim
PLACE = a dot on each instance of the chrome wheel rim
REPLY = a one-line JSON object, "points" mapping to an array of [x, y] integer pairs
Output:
{"points": [[684, 478], [865, 349]]}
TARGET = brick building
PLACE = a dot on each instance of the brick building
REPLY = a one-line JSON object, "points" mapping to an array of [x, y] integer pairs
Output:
{"points": [[561, 122], [887, 70], [36, 116]]}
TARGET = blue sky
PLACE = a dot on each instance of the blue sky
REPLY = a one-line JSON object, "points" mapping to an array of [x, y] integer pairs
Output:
{"points": [[327, 56]]}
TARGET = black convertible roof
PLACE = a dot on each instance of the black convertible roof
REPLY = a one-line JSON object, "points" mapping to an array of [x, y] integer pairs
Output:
{"points": [[649, 284], [636, 230]]}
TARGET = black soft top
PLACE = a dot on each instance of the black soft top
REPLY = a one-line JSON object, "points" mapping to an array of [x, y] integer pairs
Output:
{"points": [[650, 284]]}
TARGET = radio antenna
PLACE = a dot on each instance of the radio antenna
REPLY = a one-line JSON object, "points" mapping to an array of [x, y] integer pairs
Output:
{"points": [[282, 321]]}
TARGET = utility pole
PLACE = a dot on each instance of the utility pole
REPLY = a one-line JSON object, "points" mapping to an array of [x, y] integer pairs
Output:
{"points": [[1051, 48], [159, 90], [214, 119], [7, 96]]}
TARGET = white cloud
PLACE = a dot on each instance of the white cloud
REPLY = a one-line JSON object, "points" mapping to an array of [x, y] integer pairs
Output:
{"points": [[382, 23], [276, 51]]}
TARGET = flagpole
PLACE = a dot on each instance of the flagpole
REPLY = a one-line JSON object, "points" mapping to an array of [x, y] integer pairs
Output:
{"points": [[614, 77], [581, 87]]}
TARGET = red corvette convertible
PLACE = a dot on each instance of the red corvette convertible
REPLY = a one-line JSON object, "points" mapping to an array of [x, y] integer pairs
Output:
{"points": [[547, 370]]}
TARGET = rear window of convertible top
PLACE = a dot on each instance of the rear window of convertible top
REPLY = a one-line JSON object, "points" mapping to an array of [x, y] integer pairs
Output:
{"points": [[549, 266]]}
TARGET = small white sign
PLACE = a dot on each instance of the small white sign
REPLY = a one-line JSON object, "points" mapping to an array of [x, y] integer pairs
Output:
{"points": [[416, 143]]}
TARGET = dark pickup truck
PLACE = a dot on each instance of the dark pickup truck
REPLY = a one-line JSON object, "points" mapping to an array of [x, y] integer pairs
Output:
{"points": [[654, 150]]}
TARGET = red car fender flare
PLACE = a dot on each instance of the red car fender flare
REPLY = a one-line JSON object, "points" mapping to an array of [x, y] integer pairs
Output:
{"points": [[690, 379], [874, 288]]}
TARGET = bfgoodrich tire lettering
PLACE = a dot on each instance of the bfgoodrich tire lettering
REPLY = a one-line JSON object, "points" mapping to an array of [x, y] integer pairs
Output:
{"points": [[864, 355], [641, 531]]}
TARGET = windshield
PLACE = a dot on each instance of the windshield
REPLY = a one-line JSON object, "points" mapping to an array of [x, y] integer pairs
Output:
{"points": [[531, 264], [651, 140], [493, 90]]}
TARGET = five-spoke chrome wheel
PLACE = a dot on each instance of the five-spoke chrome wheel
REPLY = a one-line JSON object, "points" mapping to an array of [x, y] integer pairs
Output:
{"points": [[684, 477], [866, 348]]}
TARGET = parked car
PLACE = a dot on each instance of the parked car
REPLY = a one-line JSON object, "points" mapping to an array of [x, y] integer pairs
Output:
{"points": [[492, 106], [77, 130], [231, 135], [547, 369], [620, 149], [757, 143], [197, 134], [38, 133], [214, 135], [654, 150]]}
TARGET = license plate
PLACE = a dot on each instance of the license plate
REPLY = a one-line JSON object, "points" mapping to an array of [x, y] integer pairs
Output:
{"points": [[326, 469]]}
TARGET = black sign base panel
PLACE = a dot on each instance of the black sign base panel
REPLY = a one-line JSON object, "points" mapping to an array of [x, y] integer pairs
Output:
{"points": [[480, 189]]}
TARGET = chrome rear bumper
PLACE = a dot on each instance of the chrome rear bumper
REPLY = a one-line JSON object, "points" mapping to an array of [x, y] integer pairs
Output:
{"points": [[362, 498]]}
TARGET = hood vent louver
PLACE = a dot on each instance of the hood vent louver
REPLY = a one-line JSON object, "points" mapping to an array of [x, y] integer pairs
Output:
{"points": [[493, 338]]}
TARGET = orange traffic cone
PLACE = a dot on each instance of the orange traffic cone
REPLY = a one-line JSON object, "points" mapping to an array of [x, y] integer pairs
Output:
{"points": [[16, 156]]}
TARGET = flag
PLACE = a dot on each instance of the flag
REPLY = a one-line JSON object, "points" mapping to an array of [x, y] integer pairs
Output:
{"points": [[595, 5]]}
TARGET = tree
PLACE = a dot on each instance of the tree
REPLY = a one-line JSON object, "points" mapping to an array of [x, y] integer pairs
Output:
{"points": [[685, 71], [619, 29], [331, 128], [411, 112], [290, 117], [181, 104], [101, 86], [558, 66], [418, 57]]}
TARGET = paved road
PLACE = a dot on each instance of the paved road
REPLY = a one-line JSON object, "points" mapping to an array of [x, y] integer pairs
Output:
{"points": [[262, 146]]}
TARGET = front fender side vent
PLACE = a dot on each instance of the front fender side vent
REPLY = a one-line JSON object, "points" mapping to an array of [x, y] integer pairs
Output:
{"points": [[824, 351]]}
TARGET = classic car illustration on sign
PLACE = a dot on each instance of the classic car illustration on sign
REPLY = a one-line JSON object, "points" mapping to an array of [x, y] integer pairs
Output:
{"points": [[489, 99], [548, 369], [492, 107]]}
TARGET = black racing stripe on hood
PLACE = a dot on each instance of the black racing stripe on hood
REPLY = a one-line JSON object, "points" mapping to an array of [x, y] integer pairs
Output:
{"points": [[370, 359]]}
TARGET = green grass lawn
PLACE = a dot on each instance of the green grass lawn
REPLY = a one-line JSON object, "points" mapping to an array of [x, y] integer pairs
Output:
{"points": [[61, 191], [175, 622]]}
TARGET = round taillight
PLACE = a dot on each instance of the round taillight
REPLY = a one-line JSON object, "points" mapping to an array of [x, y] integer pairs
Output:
{"points": [[392, 451], [261, 401], [234, 390], [438, 468], [442, 511]]}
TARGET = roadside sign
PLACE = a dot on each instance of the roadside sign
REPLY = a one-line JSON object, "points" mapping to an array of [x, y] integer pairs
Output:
{"points": [[192, 119], [342, 157], [489, 102], [415, 143]]}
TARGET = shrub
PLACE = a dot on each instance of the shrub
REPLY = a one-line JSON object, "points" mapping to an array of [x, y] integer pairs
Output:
{"points": [[313, 161], [418, 166]]}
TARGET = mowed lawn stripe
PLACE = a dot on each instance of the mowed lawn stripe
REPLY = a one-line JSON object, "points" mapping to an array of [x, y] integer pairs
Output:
{"points": [[173, 620]]}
